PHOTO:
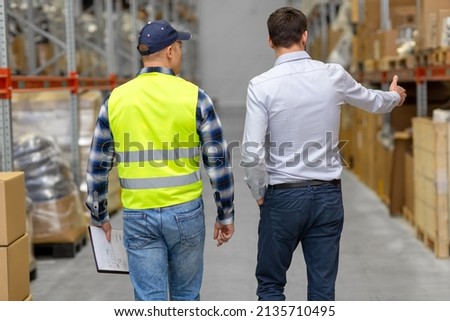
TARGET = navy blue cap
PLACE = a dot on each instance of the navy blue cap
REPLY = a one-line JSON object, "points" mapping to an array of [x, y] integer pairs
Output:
{"points": [[157, 35]]}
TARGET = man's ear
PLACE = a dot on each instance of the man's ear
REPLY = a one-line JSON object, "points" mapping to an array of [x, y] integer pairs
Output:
{"points": [[169, 52], [305, 37], [269, 40]]}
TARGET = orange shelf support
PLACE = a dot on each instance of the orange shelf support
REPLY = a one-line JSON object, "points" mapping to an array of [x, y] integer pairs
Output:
{"points": [[421, 74], [5, 83], [38, 83], [438, 73], [74, 82]]}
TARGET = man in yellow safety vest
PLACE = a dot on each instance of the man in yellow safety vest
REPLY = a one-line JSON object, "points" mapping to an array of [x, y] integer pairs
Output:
{"points": [[157, 126]]}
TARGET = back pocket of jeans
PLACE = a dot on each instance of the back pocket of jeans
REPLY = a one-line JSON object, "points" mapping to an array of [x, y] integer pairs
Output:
{"points": [[191, 226], [136, 233]]}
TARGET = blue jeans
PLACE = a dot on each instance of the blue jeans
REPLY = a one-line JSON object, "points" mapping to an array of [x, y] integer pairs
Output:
{"points": [[165, 251], [312, 215]]}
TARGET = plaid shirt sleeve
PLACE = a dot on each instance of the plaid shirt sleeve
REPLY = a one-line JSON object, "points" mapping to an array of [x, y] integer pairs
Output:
{"points": [[216, 159], [100, 162]]}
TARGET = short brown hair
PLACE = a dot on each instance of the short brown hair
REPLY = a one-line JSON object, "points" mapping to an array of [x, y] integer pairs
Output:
{"points": [[286, 26]]}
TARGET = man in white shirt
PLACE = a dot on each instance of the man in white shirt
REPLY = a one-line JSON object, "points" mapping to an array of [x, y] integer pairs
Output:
{"points": [[291, 157]]}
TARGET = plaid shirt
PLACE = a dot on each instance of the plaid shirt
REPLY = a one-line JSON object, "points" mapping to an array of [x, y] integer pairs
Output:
{"points": [[215, 157]]}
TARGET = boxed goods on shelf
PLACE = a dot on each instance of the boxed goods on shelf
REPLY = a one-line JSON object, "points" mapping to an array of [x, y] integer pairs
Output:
{"points": [[346, 135], [12, 207], [385, 44], [408, 207], [383, 165], [364, 142], [430, 14], [14, 270], [431, 210], [402, 144], [402, 16]]}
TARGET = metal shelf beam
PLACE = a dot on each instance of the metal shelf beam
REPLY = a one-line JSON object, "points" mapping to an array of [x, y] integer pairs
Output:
{"points": [[5, 101]]}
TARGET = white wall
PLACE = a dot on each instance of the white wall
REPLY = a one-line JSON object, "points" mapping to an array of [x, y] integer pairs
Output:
{"points": [[233, 46]]}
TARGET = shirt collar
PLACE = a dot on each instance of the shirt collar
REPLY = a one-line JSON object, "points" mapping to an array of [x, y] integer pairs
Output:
{"points": [[291, 56], [162, 70]]}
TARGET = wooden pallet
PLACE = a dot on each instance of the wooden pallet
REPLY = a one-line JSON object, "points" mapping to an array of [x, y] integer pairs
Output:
{"points": [[385, 199], [408, 216], [432, 244], [433, 57], [424, 57], [370, 65], [387, 63], [60, 250], [410, 61], [440, 57], [33, 269], [33, 274]]}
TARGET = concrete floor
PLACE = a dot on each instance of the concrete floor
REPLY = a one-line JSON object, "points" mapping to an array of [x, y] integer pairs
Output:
{"points": [[381, 258]]}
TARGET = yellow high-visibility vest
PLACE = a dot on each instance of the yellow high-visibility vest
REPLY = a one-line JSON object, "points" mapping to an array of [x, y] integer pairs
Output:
{"points": [[153, 122]]}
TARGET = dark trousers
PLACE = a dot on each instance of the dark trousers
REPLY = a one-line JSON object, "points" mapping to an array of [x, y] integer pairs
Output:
{"points": [[312, 216]]}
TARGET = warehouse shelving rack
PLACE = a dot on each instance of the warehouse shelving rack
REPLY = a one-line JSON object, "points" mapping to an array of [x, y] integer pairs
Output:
{"points": [[421, 74], [114, 52], [320, 14]]}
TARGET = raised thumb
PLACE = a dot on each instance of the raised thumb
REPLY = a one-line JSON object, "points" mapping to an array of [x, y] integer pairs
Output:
{"points": [[393, 83], [394, 80]]}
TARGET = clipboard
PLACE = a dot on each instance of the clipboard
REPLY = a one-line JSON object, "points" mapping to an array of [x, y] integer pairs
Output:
{"points": [[109, 257]]}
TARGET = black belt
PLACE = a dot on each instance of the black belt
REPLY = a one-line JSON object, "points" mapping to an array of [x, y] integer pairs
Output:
{"points": [[314, 182]]}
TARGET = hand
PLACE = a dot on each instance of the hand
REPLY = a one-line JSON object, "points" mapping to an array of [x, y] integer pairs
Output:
{"points": [[223, 233], [400, 90], [260, 201], [106, 227]]}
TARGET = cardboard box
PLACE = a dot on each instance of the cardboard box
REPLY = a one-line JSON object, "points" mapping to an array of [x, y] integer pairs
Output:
{"points": [[383, 164], [402, 16], [372, 15], [355, 11], [15, 271], [12, 207], [385, 44], [397, 3], [431, 181], [372, 12], [409, 181], [17, 52], [427, 13], [443, 31]]}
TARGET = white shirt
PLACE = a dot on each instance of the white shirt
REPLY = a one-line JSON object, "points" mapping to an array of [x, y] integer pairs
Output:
{"points": [[292, 122]]}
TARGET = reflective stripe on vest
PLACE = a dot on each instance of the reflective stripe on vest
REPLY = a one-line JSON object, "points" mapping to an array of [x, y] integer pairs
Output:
{"points": [[153, 122], [159, 182], [156, 155]]}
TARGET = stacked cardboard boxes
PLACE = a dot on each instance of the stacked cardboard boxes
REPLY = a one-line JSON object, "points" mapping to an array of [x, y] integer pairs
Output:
{"points": [[14, 241], [432, 16], [431, 168], [371, 44]]}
